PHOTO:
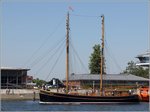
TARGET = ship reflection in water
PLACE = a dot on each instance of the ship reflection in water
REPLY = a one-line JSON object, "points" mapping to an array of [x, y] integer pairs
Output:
{"points": [[29, 105]]}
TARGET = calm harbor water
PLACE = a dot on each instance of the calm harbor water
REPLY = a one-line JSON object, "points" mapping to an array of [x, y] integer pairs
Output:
{"points": [[35, 106]]}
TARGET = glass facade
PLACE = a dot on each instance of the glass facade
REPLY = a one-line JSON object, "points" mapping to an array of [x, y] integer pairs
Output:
{"points": [[13, 78]]}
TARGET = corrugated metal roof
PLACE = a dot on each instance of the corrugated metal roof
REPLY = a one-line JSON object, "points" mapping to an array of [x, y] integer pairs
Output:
{"points": [[122, 77]]}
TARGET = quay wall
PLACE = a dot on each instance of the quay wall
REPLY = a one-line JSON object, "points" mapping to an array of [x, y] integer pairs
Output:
{"points": [[19, 94]]}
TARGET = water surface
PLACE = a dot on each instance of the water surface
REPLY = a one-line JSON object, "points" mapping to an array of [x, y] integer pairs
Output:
{"points": [[35, 106]]}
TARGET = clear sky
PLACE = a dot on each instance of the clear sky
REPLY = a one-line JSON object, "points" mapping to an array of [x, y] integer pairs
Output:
{"points": [[31, 29]]}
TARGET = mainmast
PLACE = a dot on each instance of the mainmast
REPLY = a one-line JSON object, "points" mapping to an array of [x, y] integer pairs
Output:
{"points": [[67, 52], [102, 58]]}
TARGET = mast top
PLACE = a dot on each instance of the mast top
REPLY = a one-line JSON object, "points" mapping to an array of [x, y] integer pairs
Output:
{"points": [[102, 15]]}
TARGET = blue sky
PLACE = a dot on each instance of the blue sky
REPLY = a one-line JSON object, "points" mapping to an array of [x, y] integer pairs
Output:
{"points": [[28, 25]]}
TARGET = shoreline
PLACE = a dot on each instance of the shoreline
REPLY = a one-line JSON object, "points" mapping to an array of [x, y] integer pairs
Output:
{"points": [[20, 94], [20, 97]]}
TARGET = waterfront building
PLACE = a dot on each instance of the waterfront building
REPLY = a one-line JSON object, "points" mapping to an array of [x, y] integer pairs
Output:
{"points": [[109, 80], [144, 59], [13, 77]]}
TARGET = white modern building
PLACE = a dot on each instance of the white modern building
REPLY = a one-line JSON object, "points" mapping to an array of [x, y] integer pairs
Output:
{"points": [[144, 59]]}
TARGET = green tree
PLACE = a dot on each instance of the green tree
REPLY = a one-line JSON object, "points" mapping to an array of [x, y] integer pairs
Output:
{"points": [[95, 59], [136, 70], [39, 82]]}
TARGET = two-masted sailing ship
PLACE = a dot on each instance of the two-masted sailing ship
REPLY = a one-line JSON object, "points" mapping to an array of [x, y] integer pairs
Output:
{"points": [[66, 98]]}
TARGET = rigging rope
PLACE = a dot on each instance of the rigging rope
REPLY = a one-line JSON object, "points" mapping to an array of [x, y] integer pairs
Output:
{"points": [[110, 53], [78, 57], [60, 54], [51, 57], [59, 44], [36, 61], [83, 15], [44, 42], [72, 61], [113, 57]]}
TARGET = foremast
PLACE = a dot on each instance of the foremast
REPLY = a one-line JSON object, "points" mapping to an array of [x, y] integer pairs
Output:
{"points": [[67, 52], [102, 58]]}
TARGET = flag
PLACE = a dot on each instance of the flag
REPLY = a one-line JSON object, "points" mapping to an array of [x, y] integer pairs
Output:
{"points": [[70, 8]]}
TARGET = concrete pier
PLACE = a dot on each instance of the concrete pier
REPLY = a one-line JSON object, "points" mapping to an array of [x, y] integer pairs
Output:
{"points": [[19, 94]]}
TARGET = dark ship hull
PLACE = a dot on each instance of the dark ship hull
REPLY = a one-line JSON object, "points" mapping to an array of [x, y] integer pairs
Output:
{"points": [[61, 98]]}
